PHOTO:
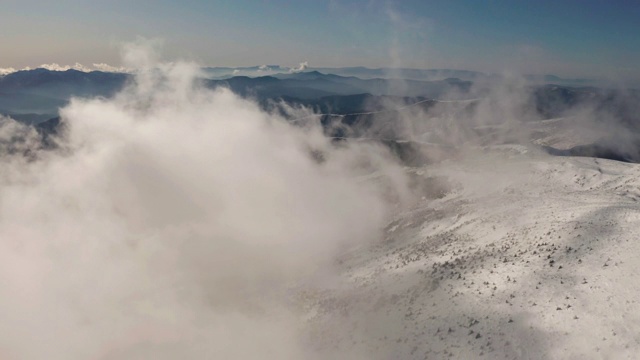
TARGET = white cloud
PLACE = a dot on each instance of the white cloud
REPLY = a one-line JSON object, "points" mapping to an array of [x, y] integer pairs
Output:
{"points": [[5, 71], [56, 67], [300, 68], [263, 68], [108, 68], [173, 224]]}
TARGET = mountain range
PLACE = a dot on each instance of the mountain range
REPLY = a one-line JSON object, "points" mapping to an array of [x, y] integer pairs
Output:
{"points": [[35, 95], [350, 106]]}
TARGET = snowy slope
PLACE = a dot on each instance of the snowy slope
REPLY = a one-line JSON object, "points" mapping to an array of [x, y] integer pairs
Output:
{"points": [[526, 257]]}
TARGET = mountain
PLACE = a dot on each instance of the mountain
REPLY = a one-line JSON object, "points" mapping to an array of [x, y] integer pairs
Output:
{"points": [[27, 118], [226, 72], [553, 79], [503, 257], [353, 107], [356, 71], [63, 84], [308, 85], [619, 105], [35, 95], [42, 92], [491, 248], [404, 73]]}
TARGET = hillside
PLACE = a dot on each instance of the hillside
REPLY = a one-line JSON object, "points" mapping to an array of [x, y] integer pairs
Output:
{"points": [[525, 257]]}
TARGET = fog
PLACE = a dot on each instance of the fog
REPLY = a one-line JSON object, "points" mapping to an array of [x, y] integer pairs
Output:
{"points": [[173, 221]]}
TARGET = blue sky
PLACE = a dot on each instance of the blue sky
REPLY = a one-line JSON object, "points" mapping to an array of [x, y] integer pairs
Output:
{"points": [[565, 37]]}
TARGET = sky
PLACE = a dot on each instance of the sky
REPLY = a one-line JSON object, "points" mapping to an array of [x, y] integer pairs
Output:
{"points": [[585, 38]]}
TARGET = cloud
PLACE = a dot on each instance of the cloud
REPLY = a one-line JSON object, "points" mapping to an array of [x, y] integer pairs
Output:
{"points": [[108, 68], [174, 222], [142, 53], [56, 67], [5, 71], [300, 68]]}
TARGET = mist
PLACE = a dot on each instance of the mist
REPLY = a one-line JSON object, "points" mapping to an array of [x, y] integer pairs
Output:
{"points": [[173, 221]]}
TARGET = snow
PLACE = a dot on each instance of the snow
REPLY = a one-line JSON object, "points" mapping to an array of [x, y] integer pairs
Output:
{"points": [[563, 133], [526, 257]]}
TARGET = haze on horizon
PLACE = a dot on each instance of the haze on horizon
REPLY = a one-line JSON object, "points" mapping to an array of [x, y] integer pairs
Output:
{"points": [[567, 38]]}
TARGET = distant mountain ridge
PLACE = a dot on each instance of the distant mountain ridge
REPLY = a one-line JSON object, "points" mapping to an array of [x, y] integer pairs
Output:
{"points": [[357, 71], [386, 73], [314, 84], [38, 93], [347, 106], [32, 96]]}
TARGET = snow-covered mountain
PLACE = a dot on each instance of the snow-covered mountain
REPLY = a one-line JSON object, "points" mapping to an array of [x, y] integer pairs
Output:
{"points": [[523, 256]]}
